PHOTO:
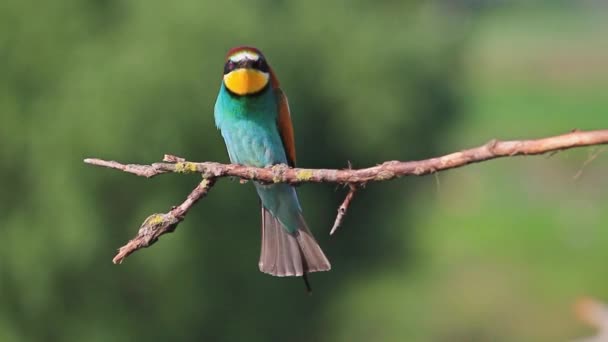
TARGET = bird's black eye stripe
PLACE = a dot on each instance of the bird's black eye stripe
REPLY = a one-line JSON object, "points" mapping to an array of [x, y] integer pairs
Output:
{"points": [[261, 65], [229, 66]]}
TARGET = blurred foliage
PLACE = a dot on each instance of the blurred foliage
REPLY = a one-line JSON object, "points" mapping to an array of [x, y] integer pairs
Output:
{"points": [[490, 252]]}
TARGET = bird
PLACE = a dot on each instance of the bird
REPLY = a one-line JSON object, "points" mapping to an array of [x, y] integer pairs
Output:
{"points": [[253, 116]]}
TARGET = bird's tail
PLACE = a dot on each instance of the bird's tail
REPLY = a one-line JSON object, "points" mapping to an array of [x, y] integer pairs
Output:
{"points": [[289, 254]]}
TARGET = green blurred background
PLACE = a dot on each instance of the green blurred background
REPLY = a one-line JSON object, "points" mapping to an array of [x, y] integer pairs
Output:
{"points": [[497, 251]]}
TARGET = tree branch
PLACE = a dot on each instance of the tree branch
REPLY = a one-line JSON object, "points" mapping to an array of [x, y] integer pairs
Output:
{"points": [[159, 224], [385, 171]]}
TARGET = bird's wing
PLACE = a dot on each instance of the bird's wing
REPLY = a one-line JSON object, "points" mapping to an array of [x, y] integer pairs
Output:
{"points": [[284, 121], [286, 127]]}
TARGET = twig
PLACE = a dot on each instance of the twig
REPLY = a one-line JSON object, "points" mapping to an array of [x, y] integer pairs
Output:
{"points": [[595, 314], [343, 208], [383, 172], [158, 224], [173, 159], [588, 161]]}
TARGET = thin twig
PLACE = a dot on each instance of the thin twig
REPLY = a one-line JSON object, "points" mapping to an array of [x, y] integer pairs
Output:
{"points": [[437, 182], [591, 158], [383, 172], [343, 208], [158, 224], [595, 314], [173, 159]]}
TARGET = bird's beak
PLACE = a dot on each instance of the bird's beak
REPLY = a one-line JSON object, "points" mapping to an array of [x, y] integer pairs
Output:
{"points": [[245, 81]]}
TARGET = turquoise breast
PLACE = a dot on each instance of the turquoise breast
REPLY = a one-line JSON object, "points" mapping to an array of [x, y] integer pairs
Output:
{"points": [[248, 126]]}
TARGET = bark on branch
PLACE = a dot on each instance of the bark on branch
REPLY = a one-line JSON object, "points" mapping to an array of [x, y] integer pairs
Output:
{"points": [[159, 224]]}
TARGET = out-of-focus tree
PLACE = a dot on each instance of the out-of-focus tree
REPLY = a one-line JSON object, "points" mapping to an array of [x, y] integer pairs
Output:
{"points": [[130, 80]]}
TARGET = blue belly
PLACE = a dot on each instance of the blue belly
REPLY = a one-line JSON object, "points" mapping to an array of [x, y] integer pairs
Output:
{"points": [[252, 143]]}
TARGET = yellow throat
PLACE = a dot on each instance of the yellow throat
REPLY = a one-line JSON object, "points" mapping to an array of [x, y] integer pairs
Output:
{"points": [[245, 81]]}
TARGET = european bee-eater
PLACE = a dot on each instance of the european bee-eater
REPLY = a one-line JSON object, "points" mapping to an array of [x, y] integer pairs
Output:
{"points": [[253, 116]]}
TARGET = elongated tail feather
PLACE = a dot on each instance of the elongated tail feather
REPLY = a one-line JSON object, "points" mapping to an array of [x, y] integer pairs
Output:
{"points": [[289, 254]]}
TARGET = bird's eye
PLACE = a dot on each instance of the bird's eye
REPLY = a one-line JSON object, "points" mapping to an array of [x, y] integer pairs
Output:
{"points": [[229, 66], [261, 65]]}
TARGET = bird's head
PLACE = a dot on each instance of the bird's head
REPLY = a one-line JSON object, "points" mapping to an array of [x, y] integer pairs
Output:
{"points": [[246, 71]]}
